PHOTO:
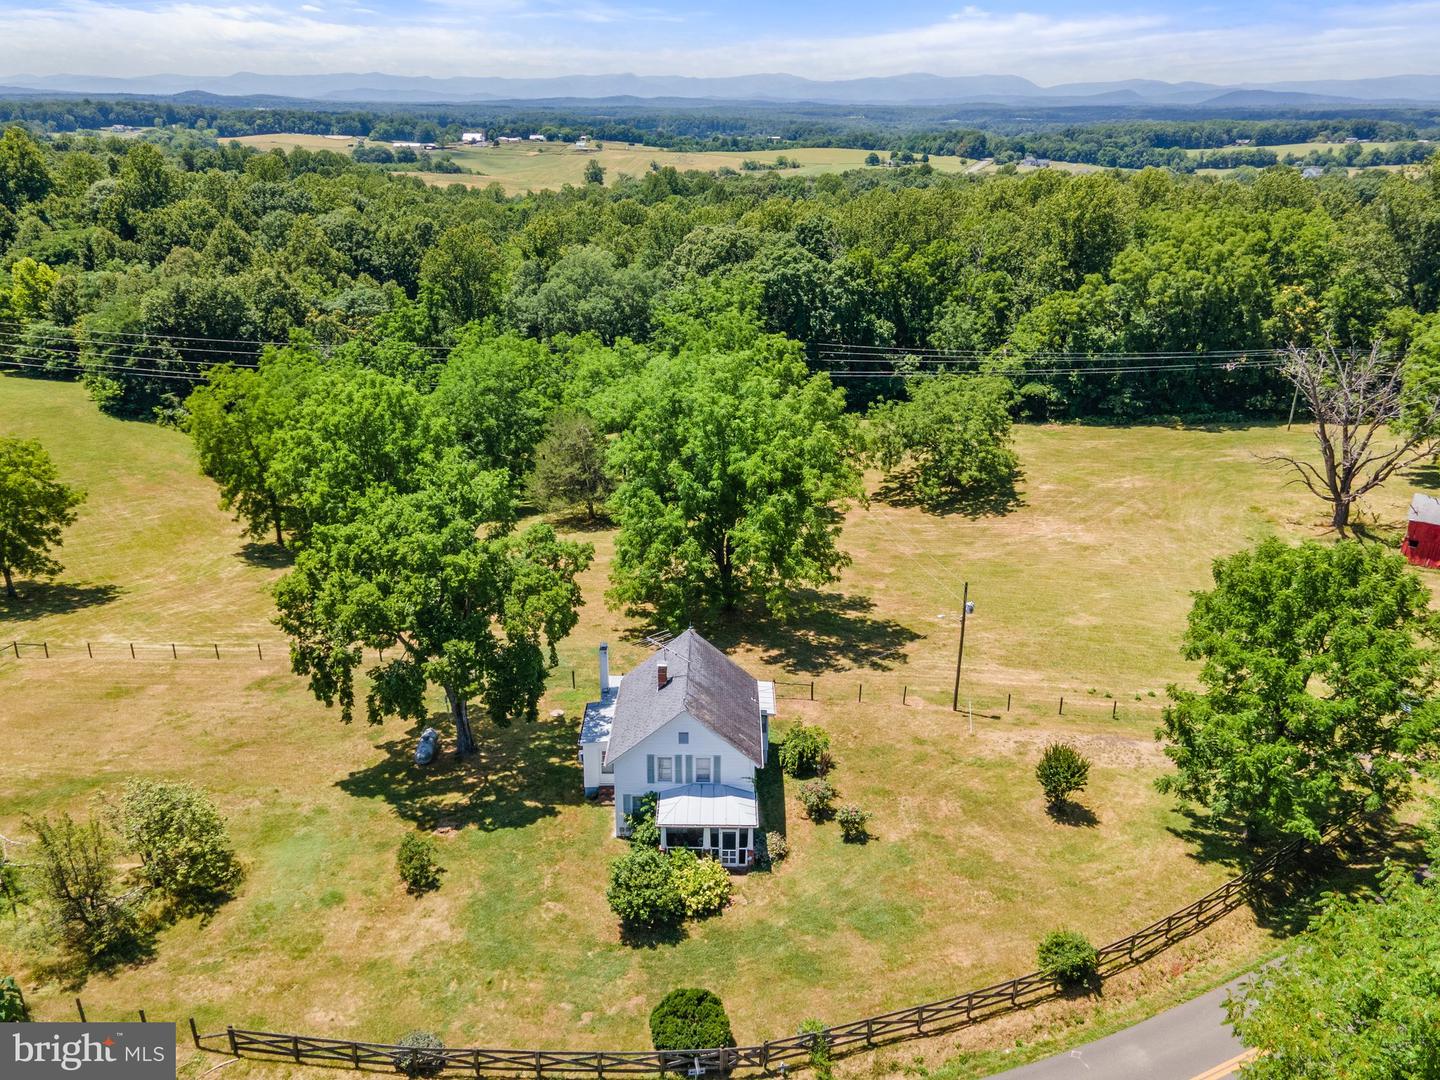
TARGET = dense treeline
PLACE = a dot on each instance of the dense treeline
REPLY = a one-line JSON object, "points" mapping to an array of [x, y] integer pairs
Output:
{"points": [[145, 263]]}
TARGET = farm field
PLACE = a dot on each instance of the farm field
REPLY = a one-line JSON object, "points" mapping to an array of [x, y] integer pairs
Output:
{"points": [[1081, 590], [1303, 148], [527, 166]]}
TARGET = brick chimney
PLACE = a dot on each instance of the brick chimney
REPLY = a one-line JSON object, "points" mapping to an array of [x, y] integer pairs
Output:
{"points": [[663, 671]]}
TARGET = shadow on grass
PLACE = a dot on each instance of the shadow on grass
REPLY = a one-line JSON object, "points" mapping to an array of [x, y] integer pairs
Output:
{"points": [[271, 556], [1070, 813], [38, 599], [770, 792], [518, 776], [653, 938], [996, 500], [832, 632], [70, 971]]}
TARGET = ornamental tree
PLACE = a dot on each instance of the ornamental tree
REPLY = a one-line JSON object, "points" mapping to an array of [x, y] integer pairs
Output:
{"points": [[1318, 665], [732, 479], [35, 507]]}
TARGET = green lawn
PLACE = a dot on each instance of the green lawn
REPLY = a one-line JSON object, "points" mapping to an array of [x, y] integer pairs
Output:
{"points": [[1081, 590]]}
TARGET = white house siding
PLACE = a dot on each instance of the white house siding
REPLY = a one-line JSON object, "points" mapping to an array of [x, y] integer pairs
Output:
{"points": [[632, 778]]}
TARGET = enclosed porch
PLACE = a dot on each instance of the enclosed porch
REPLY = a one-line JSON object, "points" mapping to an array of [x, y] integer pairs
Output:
{"points": [[710, 819]]}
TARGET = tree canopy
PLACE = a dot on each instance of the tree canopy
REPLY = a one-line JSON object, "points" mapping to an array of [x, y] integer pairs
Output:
{"points": [[732, 475], [35, 508], [1318, 670]]}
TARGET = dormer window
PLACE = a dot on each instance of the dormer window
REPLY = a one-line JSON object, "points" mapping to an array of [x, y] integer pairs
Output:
{"points": [[684, 738]]}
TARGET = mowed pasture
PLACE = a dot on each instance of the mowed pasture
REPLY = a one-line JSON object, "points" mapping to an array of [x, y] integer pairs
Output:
{"points": [[1081, 590], [537, 166]]}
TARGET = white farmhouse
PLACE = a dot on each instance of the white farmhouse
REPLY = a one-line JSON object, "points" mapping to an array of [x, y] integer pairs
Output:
{"points": [[691, 725], [473, 138]]}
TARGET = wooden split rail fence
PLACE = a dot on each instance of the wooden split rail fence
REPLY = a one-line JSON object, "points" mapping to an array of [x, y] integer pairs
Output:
{"points": [[914, 1022]]}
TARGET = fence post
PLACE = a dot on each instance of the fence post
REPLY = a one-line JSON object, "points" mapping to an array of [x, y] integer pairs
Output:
{"points": [[89, 651], [860, 693], [355, 1053], [258, 654], [173, 654], [46, 646], [142, 1017], [16, 646], [231, 1032], [1062, 704], [194, 1033], [79, 1008], [905, 693], [1007, 702], [1114, 710], [132, 650], [295, 1047], [812, 681], [572, 678]]}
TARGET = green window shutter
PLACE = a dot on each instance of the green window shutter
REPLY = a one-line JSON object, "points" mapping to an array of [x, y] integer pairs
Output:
{"points": [[679, 769], [689, 768], [649, 768], [715, 771]]}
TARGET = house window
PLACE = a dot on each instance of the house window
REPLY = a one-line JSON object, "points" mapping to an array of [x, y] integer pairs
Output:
{"points": [[686, 838], [665, 769], [702, 770], [684, 737]]}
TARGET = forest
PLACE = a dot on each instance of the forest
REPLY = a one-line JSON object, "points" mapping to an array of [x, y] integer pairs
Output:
{"points": [[1107, 295]]}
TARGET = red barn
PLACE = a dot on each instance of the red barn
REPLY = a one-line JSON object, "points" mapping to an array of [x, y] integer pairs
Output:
{"points": [[1422, 537]]}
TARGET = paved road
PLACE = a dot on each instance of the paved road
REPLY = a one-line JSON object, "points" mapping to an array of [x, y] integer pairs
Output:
{"points": [[1188, 1042]]}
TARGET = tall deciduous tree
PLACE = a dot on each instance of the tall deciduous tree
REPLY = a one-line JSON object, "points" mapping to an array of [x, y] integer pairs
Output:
{"points": [[732, 479], [1373, 413], [1319, 663], [437, 578], [236, 420], [950, 441], [35, 507]]}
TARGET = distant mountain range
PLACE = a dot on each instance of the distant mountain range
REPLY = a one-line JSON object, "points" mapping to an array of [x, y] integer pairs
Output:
{"points": [[912, 89]]}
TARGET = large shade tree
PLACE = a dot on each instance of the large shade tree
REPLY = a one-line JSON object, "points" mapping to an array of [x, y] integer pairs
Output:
{"points": [[35, 508], [438, 579], [1318, 668], [732, 478]]}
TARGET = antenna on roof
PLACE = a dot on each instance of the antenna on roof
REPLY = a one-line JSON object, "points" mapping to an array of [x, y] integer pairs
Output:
{"points": [[660, 640]]}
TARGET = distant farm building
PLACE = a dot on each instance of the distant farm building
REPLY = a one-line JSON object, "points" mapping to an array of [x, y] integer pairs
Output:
{"points": [[537, 138], [1422, 534], [1035, 162], [473, 138], [1312, 172], [509, 138]]}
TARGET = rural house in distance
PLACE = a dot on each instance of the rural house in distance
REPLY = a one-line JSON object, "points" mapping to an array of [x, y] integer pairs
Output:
{"points": [[691, 725]]}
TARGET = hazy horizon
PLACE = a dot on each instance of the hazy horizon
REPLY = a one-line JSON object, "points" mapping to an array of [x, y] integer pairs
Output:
{"points": [[1048, 43]]}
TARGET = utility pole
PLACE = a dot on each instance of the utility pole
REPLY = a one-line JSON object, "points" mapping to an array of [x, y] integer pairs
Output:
{"points": [[960, 658]]}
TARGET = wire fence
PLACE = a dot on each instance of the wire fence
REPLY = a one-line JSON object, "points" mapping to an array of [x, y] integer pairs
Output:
{"points": [[917, 1021]]}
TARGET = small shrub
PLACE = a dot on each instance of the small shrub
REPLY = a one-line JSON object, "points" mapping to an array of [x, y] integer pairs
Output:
{"points": [[641, 821], [1068, 958], [852, 823], [817, 797], [1062, 772], [418, 1059], [690, 1019], [820, 1057], [824, 763], [801, 750], [703, 883], [777, 846], [184, 847], [416, 863], [13, 1009], [643, 892]]}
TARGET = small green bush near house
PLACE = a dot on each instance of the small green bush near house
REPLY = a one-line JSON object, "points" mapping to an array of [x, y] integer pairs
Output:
{"points": [[1068, 958], [418, 1059], [852, 823], [690, 1019], [643, 892], [13, 1009], [817, 797], [703, 883], [641, 820], [802, 748], [1062, 772], [776, 846], [416, 863]]}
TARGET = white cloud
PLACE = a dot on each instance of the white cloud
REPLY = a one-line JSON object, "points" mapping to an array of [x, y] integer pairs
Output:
{"points": [[540, 37]]}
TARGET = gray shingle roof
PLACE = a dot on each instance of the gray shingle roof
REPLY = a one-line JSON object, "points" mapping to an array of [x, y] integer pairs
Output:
{"points": [[704, 682]]}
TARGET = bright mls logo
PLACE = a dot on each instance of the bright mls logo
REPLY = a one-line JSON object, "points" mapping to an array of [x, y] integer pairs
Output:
{"points": [[83, 1051]]}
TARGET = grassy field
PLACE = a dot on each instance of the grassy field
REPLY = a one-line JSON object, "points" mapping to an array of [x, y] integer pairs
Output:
{"points": [[527, 166], [1302, 148], [1080, 590]]}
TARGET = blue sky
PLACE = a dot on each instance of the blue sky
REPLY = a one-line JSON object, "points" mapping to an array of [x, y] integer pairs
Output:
{"points": [[1048, 41]]}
